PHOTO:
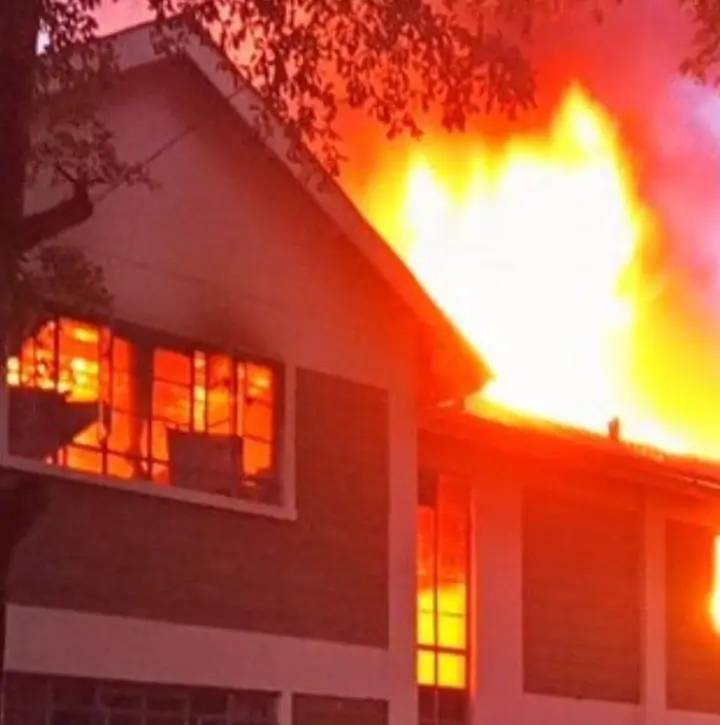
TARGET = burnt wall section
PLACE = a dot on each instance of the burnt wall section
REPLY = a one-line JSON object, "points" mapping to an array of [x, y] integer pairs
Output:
{"points": [[693, 646], [324, 576], [320, 710], [581, 590]]}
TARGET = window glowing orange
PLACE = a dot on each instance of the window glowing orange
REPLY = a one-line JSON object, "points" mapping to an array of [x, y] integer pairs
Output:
{"points": [[715, 596], [442, 580], [108, 405]]}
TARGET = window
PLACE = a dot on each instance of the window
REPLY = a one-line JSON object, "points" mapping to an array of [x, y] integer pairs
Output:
{"points": [[715, 594], [90, 398], [442, 598], [74, 701]]}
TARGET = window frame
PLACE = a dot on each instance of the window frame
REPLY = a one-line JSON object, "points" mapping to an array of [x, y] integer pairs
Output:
{"points": [[429, 482], [283, 457]]}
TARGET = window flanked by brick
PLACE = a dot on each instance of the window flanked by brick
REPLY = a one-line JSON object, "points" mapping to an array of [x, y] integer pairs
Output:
{"points": [[132, 405], [442, 597], [30, 699], [581, 598]]}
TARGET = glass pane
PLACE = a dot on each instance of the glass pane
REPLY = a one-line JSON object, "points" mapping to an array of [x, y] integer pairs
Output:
{"points": [[425, 667], [451, 670], [220, 395], [123, 467], [125, 433], [79, 349], [451, 631], [199, 391], [82, 459], [161, 473], [426, 628], [259, 421], [171, 403], [160, 448], [259, 382], [257, 458], [171, 366], [124, 356], [452, 598], [426, 547]]}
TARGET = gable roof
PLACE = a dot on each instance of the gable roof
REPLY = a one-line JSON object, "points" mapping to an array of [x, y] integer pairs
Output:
{"points": [[446, 357]]}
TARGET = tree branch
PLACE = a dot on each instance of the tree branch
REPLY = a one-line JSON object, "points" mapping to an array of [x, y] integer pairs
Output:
{"points": [[37, 228]]}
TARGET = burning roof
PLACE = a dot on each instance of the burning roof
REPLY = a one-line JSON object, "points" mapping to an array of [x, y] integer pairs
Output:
{"points": [[576, 248]]}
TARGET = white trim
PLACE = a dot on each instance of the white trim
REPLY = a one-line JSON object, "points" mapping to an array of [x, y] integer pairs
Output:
{"points": [[285, 510], [64, 642], [151, 489], [284, 708]]}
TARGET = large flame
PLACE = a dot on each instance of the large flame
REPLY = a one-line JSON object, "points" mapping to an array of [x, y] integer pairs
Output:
{"points": [[532, 245]]}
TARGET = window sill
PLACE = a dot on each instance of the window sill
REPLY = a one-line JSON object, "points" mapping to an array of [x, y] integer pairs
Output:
{"points": [[282, 511]]}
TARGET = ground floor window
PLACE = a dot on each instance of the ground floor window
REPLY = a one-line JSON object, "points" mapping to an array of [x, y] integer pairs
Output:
{"points": [[442, 597], [132, 404], [40, 700]]}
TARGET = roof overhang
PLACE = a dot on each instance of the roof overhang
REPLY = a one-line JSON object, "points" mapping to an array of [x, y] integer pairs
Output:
{"points": [[456, 435]]}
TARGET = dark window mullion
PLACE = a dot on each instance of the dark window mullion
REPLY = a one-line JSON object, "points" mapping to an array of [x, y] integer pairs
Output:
{"points": [[234, 393], [105, 406], [193, 383], [56, 360]]}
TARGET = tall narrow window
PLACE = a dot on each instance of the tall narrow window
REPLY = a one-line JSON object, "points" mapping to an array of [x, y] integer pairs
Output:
{"points": [[715, 595], [86, 398], [442, 599]]}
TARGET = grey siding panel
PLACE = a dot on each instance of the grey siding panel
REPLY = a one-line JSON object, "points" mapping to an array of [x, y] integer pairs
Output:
{"points": [[324, 576], [581, 589]]}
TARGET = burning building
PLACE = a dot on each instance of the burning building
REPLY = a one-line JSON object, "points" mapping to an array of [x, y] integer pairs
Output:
{"points": [[264, 500]]}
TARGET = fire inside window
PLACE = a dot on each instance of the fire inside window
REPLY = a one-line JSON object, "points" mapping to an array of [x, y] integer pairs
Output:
{"points": [[86, 398], [442, 576], [715, 596]]}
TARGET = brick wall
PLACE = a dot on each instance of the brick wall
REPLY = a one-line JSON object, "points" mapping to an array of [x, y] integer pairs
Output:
{"points": [[316, 710], [693, 647], [581, 589], [324, 576]]}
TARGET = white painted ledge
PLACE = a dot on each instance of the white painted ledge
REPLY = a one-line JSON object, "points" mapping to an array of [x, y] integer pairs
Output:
{"points": [[64, 642]]}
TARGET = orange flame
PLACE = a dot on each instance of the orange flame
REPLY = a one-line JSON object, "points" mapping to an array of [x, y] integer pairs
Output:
{"points": [[532, 246]]}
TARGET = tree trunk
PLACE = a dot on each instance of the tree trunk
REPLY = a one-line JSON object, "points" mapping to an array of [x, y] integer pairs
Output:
{"points": [[19, 28]]}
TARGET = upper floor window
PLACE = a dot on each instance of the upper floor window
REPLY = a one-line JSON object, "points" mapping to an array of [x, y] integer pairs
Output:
{"points": [[132, 406]]}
